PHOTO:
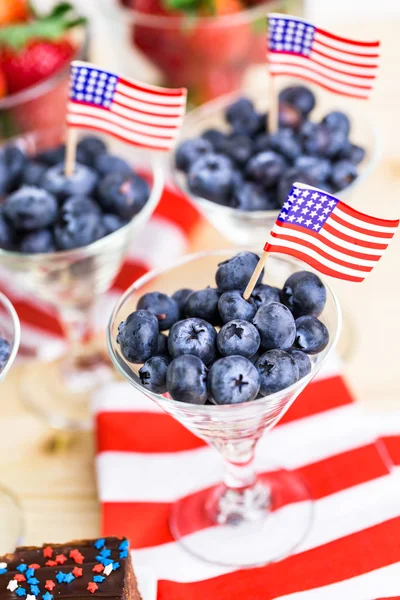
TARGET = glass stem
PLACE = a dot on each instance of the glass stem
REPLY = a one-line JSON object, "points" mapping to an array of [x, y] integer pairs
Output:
{"points": [[77, 325], [239, 465]]}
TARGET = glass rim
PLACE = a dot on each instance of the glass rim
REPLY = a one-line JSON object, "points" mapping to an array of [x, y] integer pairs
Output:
{"points": [[189, 21], [17, 332], [187, 258], [42, 87], [157, 174]]}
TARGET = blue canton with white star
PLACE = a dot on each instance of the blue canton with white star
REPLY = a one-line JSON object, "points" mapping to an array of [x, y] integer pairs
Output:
{"points": [[307, 208], [92, 86], [290, 35]]}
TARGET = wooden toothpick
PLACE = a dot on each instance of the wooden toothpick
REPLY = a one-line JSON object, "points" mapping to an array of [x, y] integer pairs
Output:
{"points": [[256, 274], [273, 104], [70, 153]]}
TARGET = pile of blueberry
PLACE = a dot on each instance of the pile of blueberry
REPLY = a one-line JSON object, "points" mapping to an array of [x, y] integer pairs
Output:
{"points": [[43, 210], [249, 169], [5, 351], [222, 348]]}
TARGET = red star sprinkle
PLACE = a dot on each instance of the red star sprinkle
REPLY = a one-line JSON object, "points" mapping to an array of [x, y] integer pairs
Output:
{"points": [[77, 556], [19, 577], [50, 585], [92, 587], [98, 568], [34, 566], [51, 563], [60, 559], [77, 572], [48, 552]]}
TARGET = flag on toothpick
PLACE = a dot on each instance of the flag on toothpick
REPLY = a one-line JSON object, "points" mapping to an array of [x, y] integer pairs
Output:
{"points": [[139, 114], [341, 65], [329, 235]]}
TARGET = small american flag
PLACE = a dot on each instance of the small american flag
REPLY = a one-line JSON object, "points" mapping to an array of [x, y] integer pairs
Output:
{"points": [[329, 235], [340, 65], [137, 113]]}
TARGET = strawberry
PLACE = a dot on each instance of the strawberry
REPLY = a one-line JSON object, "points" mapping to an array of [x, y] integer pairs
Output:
{"points": [[3, 84], [33, 51], [13, 11]]}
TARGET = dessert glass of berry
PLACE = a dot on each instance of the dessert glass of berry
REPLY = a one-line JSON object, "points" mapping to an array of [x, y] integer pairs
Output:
{"points": [[228, 371], [239, 176], [63, 238], [10, 510], [35, 54]]}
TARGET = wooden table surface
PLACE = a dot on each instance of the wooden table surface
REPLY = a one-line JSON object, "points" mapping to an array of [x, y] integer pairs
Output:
{"points": [[58, 491]]}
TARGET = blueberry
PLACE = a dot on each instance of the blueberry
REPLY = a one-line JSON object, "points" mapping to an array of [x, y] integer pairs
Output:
{"points": [[190, 151], [337, 121], [262, 142], [153, 374], [276, 326], [193, 336], [211, 177], [233, 380], [265, 294], [235, 273], [351, 152], [299, 96], [91, 146], [238, 148], [239, 109], [242, 117], [278, 370], [38, 242], [162, 348], [314, 166], [31, 208], [187, 380], [204, 305], [266, 168], [33, 173], [180, 297], [215, 137], [82, 182], [52, 156], [285, 184], [5, 351], [252, 197], [122, 194], [138, 336], [325, 142], [76, 206], [285, 143], [15, 160], [238, 337], [304, 293], [233, 306], [105, 164], [164, 307], [302, 361], [343, 174], [76, 232], [289, 116], [312, 336], [7, 235], [112, 223], [307, 130]]}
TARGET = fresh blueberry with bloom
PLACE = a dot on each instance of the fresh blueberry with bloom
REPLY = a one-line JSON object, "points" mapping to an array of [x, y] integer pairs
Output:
{"points": [[77, 232], [153, 374], [235, 273], [352, 152], [250, 196], [162, 348], [180, 297], [122, 194], [211, 177], [91, 146], [216, 138], [299, 96], [302, 361], [76, 206], [337, 121], [266, 168], [278, 370], [232, 305], [30, 208], [242, 117], [5, 351], [285, 143], [316, 167], [232, 380], [33, 173], [38, 242], [112, 222], [190, 151], [304, 293], [193, 336], [265, 294], [312, 335], [138, 336], [7, 235], [287, 180], [204, 304], [238, 338], [164, 307], [276, 326], [238, 148], [82, 182], [344, 172], [187, 379], [105, 164]]}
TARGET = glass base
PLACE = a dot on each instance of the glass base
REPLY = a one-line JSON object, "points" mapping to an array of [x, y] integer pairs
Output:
{"points": [[60, 395], [11, 520], [245, 528]]}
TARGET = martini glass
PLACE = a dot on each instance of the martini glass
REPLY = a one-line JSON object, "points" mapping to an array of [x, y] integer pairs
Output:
{"points": [[247, 519], [71, 281], [10, 511]]}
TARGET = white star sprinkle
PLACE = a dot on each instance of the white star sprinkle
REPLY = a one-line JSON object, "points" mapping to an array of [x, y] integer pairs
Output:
{"points": [[315, 196], [3, 565], [12, 585], [300, 219], [30, 597], [108, 569]]}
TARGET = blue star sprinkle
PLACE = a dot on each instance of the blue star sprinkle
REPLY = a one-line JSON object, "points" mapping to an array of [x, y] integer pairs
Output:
{"points": [[2, 571], [33, 580], [22, 568], [99, 544], [116, 566], [105, 552], [98, 578], [47, 596], [69, 577], [123, 554], [124, 545], [30, 573], [20, 591], [35, 590], [104, 561], [60, 577]]}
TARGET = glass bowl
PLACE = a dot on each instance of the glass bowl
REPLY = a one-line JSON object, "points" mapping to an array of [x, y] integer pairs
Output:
{"points": [[246, 520], [252, 228], [42, 105], [11, 518], [71, 281]]}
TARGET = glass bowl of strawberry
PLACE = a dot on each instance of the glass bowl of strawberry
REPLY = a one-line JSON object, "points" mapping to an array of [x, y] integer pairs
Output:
{"points": [[205, 45], [35, 53]]}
